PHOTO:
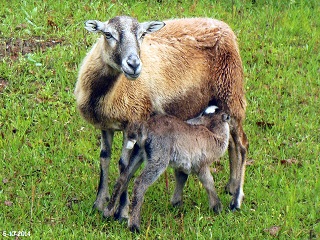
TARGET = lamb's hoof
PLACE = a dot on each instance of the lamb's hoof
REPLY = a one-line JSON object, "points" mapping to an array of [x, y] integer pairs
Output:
{"points": [[218, 208], [176, 203], [134, 228]]}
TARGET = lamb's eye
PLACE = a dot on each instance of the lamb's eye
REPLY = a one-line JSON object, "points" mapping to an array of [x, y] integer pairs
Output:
{"points": [[108, 35], [143, 34]]}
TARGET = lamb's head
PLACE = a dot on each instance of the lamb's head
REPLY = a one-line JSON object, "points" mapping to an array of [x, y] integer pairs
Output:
{"points": [[123, 37], [135, 133], [212, 118]]}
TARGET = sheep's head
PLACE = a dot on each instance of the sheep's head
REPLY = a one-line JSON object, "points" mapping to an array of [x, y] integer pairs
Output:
{"points": [[123, 37]]}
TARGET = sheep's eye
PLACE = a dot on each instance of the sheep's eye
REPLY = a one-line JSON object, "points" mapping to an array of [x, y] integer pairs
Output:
{"points": [[108, 35]]}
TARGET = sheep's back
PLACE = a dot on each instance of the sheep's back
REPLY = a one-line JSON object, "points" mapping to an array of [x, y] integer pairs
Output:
{"points": [[191, 62]]}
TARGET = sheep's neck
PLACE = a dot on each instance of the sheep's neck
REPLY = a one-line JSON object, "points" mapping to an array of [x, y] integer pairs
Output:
{"points": [[97, 90]]}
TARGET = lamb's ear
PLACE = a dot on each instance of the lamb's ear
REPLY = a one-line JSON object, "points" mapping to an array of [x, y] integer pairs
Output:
{"points": [[152, 26], [94, 26]]}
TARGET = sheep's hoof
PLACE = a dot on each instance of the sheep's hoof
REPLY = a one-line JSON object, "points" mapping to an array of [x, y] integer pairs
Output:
{"points": [[237, 200], [234, 205], [134, 228], [107, 213], [119, 217], [100, 203], [227, 190], [230, 189], [98, 207], [218, 208]]}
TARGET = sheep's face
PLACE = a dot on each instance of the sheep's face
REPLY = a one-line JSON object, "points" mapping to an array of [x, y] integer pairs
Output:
{"points": [[211, 118], [123, 37]]}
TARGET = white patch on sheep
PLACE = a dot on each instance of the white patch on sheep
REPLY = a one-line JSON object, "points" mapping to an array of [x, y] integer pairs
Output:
{"points": [[240, 198], [130, 144]]}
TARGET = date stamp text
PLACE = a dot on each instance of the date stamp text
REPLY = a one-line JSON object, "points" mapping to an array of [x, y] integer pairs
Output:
{"points": [[16, 233]]}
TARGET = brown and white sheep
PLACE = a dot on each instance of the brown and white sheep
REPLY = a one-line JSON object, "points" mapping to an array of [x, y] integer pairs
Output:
{"points": [[178, 70], [165, 140]]}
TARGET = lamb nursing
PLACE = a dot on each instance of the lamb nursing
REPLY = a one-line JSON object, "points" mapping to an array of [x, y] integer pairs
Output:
{"points": [[175, 67], [164, 141]]}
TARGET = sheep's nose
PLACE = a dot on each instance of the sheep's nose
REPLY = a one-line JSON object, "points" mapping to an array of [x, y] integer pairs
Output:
{"points": [[133, 62]]}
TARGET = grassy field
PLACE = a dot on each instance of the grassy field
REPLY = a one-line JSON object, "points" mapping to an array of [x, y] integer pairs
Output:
{"points": [[49, 157]]}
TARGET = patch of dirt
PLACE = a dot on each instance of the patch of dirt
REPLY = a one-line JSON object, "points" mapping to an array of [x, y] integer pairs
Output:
{"points": [[12, 47], [3, 84], [273, 231]]}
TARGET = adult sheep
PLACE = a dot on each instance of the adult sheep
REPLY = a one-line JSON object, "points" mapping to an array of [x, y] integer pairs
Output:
{"points": [[187, 65]]}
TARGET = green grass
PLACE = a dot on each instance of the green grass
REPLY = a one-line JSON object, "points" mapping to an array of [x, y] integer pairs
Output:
{"points": [[49, 155]]}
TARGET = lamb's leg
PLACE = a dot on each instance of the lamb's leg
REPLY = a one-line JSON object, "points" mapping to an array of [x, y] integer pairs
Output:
{"points": [[130, 161], [149, 175], [181, 179], [121, 186], [238, 145], [207, 181], [105, 156]]}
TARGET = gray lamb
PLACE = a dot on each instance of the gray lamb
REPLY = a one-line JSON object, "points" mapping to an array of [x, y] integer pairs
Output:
{"points": [[164, 140]]}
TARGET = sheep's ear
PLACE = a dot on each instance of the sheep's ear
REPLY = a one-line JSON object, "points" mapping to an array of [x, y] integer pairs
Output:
{"points": [[94, 26], [153, 26]]}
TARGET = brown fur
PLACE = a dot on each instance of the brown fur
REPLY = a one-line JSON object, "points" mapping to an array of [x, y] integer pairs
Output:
{"points": [[182, 75]]}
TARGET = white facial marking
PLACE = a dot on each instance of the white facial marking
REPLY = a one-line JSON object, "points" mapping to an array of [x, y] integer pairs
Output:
{"points": [[130, 144], [211, 109]]}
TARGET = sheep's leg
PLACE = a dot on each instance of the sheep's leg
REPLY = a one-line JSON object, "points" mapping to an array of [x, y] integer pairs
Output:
{"points": [[105, 156], [121, 186], [149, 175], [207, 181], [181, 179], [238, 145]]}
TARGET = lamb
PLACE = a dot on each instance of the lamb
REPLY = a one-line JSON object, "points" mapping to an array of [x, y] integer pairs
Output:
{"points": [[165, 140], [177, 67]]}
